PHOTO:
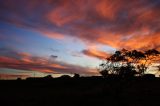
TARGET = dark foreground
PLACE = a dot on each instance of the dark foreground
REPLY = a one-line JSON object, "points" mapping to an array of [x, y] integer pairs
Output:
{"points": [[81, 92]]}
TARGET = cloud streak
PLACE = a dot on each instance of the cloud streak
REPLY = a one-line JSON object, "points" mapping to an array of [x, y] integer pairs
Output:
{"points": [[25, 61], [12, 76], [95, 53]]}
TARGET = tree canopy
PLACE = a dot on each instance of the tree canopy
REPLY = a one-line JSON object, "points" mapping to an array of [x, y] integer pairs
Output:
{"points": [[126, 63]]}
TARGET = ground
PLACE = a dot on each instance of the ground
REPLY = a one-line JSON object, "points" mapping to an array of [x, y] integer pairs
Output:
{"points": [[81, 92]]}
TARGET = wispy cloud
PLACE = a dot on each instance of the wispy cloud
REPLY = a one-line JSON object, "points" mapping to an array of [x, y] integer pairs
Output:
{"points": [[25, 61], [95, 53]]}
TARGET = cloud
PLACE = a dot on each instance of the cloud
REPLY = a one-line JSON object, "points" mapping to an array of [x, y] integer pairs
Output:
{"points": [[25, 61], [13, 76], [119, 23], [136, 41], [54, 56], [95, 53], [53, 35]]}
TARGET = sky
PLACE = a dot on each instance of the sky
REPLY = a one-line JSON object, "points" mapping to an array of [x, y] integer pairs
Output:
{"points": [[42, 37]]}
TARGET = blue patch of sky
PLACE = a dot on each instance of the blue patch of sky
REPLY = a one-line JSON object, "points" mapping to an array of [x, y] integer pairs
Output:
{"points": [[28, 40]]}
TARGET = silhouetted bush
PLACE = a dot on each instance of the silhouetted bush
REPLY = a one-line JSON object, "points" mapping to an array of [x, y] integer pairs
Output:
{"points": [[19, 79], [148, 76], [48, 77], [76, 75], [65, 77]]}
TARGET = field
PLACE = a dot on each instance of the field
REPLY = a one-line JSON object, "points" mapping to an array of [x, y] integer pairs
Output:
{"points": [[81, 92]]}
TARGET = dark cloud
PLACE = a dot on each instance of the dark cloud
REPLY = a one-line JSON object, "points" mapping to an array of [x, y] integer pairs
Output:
{"points": [[54, 56], [11, 53]]}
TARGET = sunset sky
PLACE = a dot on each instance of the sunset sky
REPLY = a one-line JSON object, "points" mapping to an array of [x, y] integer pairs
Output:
{"points": [[41, 37]]}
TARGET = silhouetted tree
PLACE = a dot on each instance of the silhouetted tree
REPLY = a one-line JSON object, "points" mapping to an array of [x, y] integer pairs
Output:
{"points": [[117, 64], [104, 73], [135, 57], [128, 63], [48, 77], [76, 75], [19, 79], [158, 67], [127, 71]]}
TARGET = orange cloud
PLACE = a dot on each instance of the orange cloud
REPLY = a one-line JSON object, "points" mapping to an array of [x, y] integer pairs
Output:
{"points": [[137, 41], [108, 9], [64, 13], [95, 53], [58, 66], [115, 23], [57, 17], [54, 35]]}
